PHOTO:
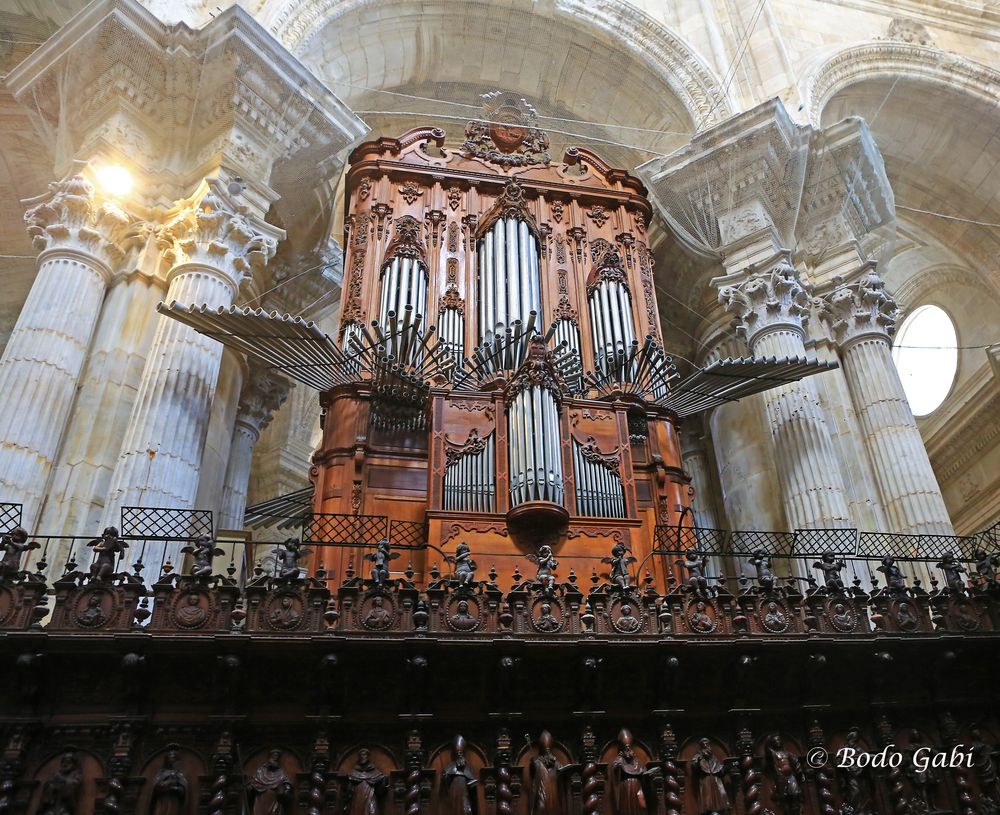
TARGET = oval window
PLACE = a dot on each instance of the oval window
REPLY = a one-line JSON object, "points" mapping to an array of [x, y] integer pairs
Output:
{"points": [[926, 358]]}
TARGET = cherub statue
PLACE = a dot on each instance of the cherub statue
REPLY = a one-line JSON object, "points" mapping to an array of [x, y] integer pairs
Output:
{"points": [[14, 544], [546, 564], [107, 547], [986, 565], [831, 566], [465, 566], [380, 559], [202, 552], [620, 560], [761, 562], [695, 563], [895, 580], [287, 559], [953, 571]]}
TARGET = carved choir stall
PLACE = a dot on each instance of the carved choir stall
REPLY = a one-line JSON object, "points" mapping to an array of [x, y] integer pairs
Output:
{"points": [[498, 392]]}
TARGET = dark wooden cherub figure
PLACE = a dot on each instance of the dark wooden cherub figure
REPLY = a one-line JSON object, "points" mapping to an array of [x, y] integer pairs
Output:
{"points": [[831, 566], [107, 548], [465, 566], [952, 571], [14, 544], [288, 559], [895, 580], [203, 551], [695, 563], [547, 564], [620, 560], [381, 558], [761, 562]]}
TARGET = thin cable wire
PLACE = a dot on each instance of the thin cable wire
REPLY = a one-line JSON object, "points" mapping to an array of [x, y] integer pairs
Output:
{"points": [[740, 52], [289, 280], [949, 217]]}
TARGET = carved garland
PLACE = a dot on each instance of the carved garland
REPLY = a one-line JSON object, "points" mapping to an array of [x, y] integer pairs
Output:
{"points": [[592, 453], [472, 446]]}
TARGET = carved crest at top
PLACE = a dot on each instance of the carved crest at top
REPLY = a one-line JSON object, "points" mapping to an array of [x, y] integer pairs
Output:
{"points": [[407, 242], [508, 133]]}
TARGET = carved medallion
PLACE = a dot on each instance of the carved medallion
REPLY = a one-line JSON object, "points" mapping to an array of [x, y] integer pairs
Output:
{"points": [[773, 616], [905, 614], [547, 615], [454, 196], [599, 215], [841, 615], [966, 615], [411, 191], [627, 616], [507, 134], [463, 614], [377, 613], [284, 611], [94, 609], [191, 610], [701, 617]]}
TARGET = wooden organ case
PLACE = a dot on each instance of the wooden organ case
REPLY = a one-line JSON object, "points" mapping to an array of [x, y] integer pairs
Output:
{"points": [[505, 304]]}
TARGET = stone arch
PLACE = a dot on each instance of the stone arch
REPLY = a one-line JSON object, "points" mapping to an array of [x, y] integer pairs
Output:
{"points": [[676, 66], [889, 59]]}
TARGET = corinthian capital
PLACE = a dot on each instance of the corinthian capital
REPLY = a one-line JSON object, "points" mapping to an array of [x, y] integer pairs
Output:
{"points": [[71, 216], [264, 392], [215, 234], [767, 300], [860, 309]]}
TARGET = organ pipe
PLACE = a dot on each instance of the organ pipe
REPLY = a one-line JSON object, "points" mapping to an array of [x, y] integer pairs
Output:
{"points": [[611, 322], [599, 490], [534, 447], [508, 276], [469, 484]]}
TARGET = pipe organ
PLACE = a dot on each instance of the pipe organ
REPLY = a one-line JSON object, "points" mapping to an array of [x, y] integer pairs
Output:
{"points": [[492, 290]]}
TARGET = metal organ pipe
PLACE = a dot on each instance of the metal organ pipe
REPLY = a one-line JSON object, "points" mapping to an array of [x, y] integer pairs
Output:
{"points": [[612, 326], [599, 491], [508, 277], [535, 460], [469, 482]]}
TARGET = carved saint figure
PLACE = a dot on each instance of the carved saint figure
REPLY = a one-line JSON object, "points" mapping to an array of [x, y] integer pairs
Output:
{"points": [[545, 770], [170, 787], [786, 775], [922, 776], [458, 781], [700, 620], [761, 562], [843, 617], [710, 788], [627, 622], [774, 618], [380, 559], [286, 615], [14, 544], [93, 614], [367, 785], [984, 762], [465, 566], [895, 580], [62, 789], [905, 618], [695, 563], [952, 571], [831, 566], [547, 621], [107, 548], [378, 615], [853, 783], [202, 552], [270, 787], [986, 565], [546, 566], [462, 619], [630, 774], [287, 559], [620, 560]]}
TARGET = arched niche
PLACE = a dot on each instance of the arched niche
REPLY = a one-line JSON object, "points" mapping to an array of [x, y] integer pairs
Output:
{"points": [[189, 763], [89, 768]]}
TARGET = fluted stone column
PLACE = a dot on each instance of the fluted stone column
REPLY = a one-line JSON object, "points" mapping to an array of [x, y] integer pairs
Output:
{"points": [[770, 306], [211, 248], [78, 237], [262, 395], [862, 318], [696, 463]]}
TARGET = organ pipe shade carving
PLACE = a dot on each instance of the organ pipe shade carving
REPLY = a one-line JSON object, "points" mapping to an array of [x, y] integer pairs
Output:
{"points": [[534, 449], [508, 285], [599, 491], [469, 484]]}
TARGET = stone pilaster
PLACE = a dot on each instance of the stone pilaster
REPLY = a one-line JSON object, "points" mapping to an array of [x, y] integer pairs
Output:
{"points": [[262, 395], [694, 451], [211, 247], [79, 242], [861, 316], [769, 306]]}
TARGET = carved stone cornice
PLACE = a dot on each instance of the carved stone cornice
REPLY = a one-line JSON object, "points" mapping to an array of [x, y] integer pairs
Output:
{"points": [[209, 231], [263, 393], [766, 301], [862, 309], [126, 81], [72, 217]]}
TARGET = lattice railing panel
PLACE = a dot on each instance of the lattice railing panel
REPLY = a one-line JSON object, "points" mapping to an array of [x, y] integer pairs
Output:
{"points": [[10, 516], [164, 523], [814, 542], [893, 544], [408, 533], [361, 530]]}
